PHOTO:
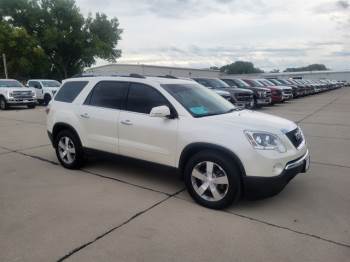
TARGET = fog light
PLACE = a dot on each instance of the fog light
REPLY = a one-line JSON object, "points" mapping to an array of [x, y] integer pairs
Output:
{"points": [[277, 169]]}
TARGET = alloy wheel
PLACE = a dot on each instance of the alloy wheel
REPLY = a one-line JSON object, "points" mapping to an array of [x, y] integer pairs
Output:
{"points": [[66, 150], [210, 181]]}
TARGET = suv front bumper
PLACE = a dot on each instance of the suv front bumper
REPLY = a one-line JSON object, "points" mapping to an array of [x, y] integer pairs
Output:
{"points": [[262, 187], [21, 101]]}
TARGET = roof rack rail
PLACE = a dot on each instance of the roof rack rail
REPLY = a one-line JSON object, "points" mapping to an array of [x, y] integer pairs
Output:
{"points": [[136, 75], [169, 76]]}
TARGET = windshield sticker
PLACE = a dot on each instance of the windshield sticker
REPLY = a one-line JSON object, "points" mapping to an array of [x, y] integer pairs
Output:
{"points": [[199, 110]]}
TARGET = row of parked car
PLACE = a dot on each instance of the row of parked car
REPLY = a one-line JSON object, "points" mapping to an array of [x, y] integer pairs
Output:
{"points": [[247, 93], [14, 93], [253, 93]]}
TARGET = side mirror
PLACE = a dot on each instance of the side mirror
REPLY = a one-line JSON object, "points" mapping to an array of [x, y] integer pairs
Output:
{"points": [[160, 111]]}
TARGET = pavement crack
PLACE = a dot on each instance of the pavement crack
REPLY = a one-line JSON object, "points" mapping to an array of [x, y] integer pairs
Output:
{"points": [[318, 110], [290, 229], [124, 182], [329, 164], [75, 250]]}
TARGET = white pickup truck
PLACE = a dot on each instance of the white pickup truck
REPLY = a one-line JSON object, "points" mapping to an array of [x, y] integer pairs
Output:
{"points": [[45, 89], [13, 93]]}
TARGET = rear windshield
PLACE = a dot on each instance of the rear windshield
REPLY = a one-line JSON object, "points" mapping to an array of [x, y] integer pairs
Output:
{"points": [[69, 91]]}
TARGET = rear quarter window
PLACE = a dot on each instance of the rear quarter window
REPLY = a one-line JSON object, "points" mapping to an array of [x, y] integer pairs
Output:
{"points": [[69, 91]]}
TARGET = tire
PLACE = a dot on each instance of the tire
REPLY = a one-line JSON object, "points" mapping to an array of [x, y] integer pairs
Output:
{"points": [[47, 99], [74, 155], [31, 106], [228, 190], [3, 104]]}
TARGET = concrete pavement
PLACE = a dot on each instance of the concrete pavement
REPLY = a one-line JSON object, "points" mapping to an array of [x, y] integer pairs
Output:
{"points": [[123, 210]]}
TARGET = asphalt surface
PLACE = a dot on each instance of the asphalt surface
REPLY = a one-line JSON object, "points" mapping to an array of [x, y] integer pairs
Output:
{"points": [[124, 210]]}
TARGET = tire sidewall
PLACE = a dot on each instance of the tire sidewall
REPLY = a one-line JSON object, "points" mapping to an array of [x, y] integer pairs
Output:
{"points": [[233, 175], [3, 105], [78, 161]]}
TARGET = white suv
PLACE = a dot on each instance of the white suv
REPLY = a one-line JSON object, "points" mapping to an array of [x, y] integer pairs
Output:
{"points": [[222, 151]]}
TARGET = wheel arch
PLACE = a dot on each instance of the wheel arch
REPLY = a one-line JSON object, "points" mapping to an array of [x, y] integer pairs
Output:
{"points": [[194, 148], [58, 127]]}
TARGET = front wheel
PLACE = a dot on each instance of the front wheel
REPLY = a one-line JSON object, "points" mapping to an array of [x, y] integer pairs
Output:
{"points": [[69, 150], [212, 180], [3, 103]]}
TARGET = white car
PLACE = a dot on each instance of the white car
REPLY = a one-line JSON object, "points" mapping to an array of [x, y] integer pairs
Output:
{"points": [[45, 89], [222, 151], [13, 93]]}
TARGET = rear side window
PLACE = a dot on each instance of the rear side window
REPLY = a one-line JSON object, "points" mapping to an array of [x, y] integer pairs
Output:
{"points": [[108, 94], [143, 98], [69, 91]]}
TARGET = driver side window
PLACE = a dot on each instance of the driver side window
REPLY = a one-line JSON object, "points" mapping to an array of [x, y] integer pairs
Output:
{"points": [[35, 84], [143, 98]]}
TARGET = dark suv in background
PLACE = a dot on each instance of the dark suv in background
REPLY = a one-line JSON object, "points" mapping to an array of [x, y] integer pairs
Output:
{"points": [[239, 96], [262, 96]]}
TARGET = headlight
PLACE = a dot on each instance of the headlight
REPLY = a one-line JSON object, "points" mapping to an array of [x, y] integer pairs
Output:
{"points": [[33, 94], [265, 141], [10, 94]]}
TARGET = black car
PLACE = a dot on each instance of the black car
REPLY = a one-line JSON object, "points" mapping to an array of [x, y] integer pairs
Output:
{"points": [[239, 97]]}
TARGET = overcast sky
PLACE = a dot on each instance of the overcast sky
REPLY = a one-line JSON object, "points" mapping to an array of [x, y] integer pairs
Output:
{"points": [[203, 33]]}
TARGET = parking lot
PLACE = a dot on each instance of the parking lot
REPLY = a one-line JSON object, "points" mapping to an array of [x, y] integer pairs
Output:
{"points": [[116, 209]]}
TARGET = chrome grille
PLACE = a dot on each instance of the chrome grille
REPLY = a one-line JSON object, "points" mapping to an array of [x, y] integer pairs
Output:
{"points": [[22, 94], [296, 137]]}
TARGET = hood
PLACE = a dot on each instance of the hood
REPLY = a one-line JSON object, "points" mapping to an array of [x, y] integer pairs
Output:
{"points": [[258, 88], [253, 120], [234, 90], [11, 89], [283, 87], [221, 92]]}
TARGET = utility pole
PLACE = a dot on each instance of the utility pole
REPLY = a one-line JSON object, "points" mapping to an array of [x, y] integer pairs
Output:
{"points": [[5, 65]]}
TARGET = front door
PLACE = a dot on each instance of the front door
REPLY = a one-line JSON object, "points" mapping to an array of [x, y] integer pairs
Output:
{"points": [[142, 136]]}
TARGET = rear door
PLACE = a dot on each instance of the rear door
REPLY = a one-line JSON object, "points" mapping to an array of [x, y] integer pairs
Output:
{"points": [[142, 136], [100, 114]]}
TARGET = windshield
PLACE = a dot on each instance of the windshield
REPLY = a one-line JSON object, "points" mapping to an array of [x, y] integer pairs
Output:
{"points": [[241, 83], [254, 83], [230, 82], [213, 83], [10, 83], [266, 82], [50, 83], [199, 101], [275, 81]]}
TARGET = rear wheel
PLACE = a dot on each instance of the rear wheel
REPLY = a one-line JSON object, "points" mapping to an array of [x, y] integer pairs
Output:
{"points": [[69, 150], [212, 180], [3, 103]]}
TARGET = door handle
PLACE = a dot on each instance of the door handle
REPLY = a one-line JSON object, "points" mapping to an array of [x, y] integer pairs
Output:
{"points": [[86, 116], [126, 122]]}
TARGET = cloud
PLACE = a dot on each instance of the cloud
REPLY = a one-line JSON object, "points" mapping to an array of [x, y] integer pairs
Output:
{"points": [[202, 33]]}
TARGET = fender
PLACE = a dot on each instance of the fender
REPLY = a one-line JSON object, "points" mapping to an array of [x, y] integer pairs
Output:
{"points": [[196, 147]]}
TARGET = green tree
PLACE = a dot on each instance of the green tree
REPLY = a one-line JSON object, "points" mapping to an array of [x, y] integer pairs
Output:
{"points": [[24, 56], [313, 67], [240, 67], [69, 41]]}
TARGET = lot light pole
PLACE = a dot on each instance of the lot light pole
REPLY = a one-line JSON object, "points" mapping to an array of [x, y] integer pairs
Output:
{"points": [[5, 65]]}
